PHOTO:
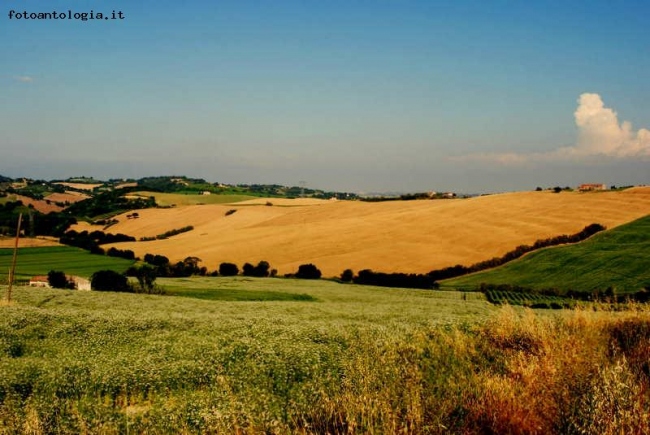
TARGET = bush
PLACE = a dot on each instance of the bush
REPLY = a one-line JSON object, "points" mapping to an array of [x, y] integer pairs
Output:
{"points": [[347, 275], [228, 269], [308, 271], [57, 279], [146, 276], [260, 271], [109, 280]]}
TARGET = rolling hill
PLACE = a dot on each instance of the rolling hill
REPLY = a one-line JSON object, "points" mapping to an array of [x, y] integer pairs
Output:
{"points": [[618, 257], [395, 236]]}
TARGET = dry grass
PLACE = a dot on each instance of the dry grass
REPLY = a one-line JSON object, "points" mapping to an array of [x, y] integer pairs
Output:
{"points": [[69, 196], [39, 205], [405, 236], [29, 242]]}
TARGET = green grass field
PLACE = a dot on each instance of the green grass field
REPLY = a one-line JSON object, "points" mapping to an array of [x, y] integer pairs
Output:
{"points": [[72, 261], [351, 359], [618, 257], [180, 199]]}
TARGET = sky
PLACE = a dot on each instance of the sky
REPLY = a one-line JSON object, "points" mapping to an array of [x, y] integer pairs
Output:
{"points": [[356, 95]]}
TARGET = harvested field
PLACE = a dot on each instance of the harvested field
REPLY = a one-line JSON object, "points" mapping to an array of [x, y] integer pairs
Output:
{"points": [[39, 205], [29, 242], [68, 196], [404, 236]]}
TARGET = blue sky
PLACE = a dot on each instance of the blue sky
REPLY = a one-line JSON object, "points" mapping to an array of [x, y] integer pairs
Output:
{"points": [[346, 95]]}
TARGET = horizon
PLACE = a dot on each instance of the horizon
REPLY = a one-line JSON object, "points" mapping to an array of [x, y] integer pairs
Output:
{"points": [[369, 193], [360, 97]]}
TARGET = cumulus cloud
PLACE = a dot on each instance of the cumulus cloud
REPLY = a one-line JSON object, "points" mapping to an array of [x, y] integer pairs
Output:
{"points": [[599, 135]]}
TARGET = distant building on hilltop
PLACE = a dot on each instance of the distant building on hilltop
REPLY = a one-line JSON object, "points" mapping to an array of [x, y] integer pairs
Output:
{"points": [[591, 186]]}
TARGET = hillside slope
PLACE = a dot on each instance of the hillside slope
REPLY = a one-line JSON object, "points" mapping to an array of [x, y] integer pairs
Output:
{"points": [[617, 258], [405, 236]]}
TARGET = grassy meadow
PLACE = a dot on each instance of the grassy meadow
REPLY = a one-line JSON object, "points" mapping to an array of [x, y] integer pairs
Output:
{"points": [[347, 360], [72, 261], [617, 258], [183, 199]]}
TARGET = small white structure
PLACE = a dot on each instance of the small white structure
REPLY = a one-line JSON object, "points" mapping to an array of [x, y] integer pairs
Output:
{"points": [[80, 283], [39, 281], [42, 281], [591, 186]]}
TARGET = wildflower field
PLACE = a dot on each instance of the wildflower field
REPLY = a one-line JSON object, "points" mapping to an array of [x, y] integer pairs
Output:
{"points": [[339, 359]]}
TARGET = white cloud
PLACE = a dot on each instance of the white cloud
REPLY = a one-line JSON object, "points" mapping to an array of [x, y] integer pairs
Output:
{"points": [[24, 79], [599, 135]]}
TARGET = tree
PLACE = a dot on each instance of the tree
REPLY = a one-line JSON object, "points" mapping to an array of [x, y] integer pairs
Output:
{"points": [[248, 269], [109, 280], [57, 279], [228, 269], [260, 271], [146, 276], [308, 271], [347, 275]]}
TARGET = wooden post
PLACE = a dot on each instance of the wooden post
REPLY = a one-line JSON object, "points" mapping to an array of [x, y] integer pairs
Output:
{"points": [[12, 271]]}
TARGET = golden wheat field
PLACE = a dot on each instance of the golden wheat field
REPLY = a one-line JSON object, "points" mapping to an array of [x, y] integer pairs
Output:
{"points": [[395, 236]]}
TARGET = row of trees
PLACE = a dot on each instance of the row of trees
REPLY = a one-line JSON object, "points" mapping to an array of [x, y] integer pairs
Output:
{"points": [[164, 268], [91, 241], [411, 280], [459, 270]]}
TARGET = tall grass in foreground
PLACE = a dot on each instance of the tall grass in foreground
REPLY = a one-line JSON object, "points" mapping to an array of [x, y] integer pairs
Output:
{"points": [[77, 370]]}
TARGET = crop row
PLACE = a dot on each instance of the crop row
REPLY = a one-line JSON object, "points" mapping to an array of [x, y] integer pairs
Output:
{"points": [[532, 300]]}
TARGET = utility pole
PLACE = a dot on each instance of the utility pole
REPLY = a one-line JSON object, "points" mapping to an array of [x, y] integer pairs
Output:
{"points": [[12, 271]]}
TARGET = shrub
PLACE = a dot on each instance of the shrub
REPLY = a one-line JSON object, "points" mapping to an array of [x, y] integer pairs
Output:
{"points": [[109, 280], [260, 271], [146, 276], [228, 269], [347, 275], [308, 271], [57, 279]]}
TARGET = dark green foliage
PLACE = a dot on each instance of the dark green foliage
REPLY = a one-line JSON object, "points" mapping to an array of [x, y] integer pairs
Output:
{"points": [[121, 253], [109, 202], [616, 258], [228, 269], [109, 280], [347, 275], [58, 279], [34, 222], [308, 271], [412, 280], [156, 260], [188, 267], [170, 233], [146, 276], [459, 270], [91, 241], [247, 269], [260, 271]]}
